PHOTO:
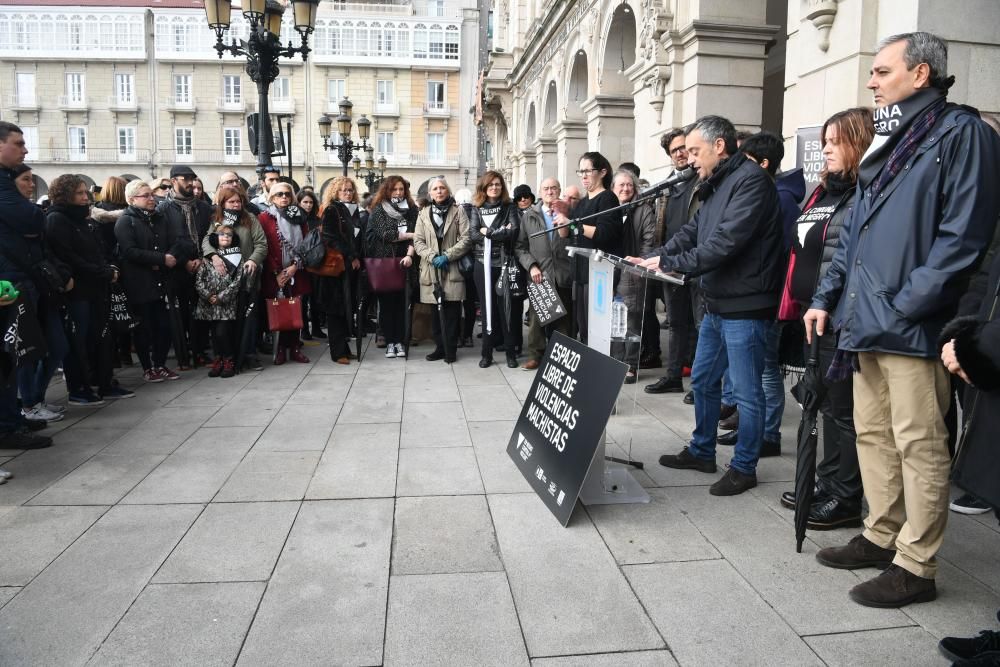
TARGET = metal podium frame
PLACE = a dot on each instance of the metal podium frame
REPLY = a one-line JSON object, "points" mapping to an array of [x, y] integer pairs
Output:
{"points": [[609, 483]]}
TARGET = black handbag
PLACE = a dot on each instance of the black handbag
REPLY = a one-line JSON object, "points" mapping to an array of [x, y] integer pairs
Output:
{"points": [[513, 278], [312, 249]]}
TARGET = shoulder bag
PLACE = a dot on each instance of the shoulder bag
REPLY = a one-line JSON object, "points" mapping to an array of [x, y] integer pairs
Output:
{"points": [[385, 274], [283, 314]]}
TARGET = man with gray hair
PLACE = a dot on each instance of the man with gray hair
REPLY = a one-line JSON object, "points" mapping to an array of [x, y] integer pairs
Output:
{"points": [[924, 214], [734, 245]]}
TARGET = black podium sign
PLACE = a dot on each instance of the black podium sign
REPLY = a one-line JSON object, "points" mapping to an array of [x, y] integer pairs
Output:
{"points": [[562, 420], [545, 301]]}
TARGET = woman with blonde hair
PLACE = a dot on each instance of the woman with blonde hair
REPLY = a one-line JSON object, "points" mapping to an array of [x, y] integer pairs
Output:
{"points": [[284, 228], [441, 238], [846, 136], [109, 207]]}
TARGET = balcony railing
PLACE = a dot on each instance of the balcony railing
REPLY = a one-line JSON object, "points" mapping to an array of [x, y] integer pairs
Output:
{"points": [[22, 103], [174, 104], [386, 109], [368, 8], [92, 155], [441, 109], [69, 102], [225, 105], [433, 160], [282, 106], [401, 160], [115, 103]]}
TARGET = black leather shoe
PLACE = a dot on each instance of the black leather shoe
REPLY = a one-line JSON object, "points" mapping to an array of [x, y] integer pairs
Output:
{"points": [[685, 460], [485, 362], [436, 355], [733, 483], [512, 361], [650, 362], [726, 412], [728, 439], [689, 398], [819, 496], [770, 449], [665, 385], [833, 512]]}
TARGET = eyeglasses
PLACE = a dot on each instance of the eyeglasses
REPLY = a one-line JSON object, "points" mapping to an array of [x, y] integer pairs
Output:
{"points": [[282, 194], [145, 196], [678, 150], [495, 184], [584, 172], [229, 234], [162, 187], [232, 181]]}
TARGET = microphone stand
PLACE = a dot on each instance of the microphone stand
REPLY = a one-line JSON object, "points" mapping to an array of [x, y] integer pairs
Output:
{"points": [[622, 207]]}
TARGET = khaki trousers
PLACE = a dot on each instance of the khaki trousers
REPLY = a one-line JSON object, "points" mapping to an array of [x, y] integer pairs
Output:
{"points": [[536, 333], [899, 407]]}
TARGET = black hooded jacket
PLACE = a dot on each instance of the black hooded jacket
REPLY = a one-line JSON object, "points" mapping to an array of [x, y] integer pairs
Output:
{"points": [[75, 240]]}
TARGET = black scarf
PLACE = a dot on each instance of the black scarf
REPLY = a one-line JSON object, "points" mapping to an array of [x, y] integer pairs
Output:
{"points": [[892, 124], [74, 211], [837, 184], [395, 212], [442, 211]]}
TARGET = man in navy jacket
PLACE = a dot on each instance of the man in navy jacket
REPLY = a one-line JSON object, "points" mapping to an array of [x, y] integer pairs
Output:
{"points": [[924, 215]]}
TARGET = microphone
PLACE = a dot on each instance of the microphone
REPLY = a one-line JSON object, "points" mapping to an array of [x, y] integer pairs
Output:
{"points": [[682, 176]]}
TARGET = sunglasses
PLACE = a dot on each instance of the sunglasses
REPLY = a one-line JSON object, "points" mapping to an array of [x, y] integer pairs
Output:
{"points": [[282, 194]]}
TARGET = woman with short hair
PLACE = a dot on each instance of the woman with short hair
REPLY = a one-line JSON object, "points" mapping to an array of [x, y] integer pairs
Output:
{"points": [[284, 228], [441, 238]]}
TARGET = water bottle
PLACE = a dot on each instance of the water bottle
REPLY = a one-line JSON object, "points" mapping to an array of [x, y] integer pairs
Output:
{"points": [[619, 318]]}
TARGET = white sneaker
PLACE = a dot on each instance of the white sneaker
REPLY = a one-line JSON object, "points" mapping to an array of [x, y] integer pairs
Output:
{"points": [[5, 475], [400, 352], [54, 407], [390, 351], [39, 413]]}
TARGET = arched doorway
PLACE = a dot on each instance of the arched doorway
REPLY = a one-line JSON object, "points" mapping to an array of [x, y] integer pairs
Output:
{"points": [[88, 180], [551, 108], [619, 52], [530, 128], [41, 187], [129, 177]]}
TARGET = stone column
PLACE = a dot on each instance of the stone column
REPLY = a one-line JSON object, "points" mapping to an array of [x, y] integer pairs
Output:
{"points": [[571, 143], [546, 162], [527, 171], [611, 127]]}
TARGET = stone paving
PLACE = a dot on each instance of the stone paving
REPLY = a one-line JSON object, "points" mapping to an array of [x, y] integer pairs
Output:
{"points": [[368, 515]]}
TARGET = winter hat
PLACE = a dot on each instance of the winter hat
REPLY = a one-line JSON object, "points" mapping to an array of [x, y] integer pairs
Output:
{"points": [[522, 191]]}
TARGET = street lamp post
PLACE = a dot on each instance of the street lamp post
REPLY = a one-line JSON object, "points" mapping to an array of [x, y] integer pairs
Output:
{"points": [[369, 174], [346, 147], [262, 49]]}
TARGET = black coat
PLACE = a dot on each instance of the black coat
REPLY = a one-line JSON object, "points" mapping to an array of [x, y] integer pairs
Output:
{"points": [[174, 215], [734, 241], [908, 252], [143, 246], [503, 232], [22, 226], [977, 347], [75, 240]]}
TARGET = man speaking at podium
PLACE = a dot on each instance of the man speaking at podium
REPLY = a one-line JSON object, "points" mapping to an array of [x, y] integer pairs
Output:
{"points": [[734, 245]]}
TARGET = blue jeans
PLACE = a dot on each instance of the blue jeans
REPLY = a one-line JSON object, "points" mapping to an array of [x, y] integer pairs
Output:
{"points": [[741, 346], [774, 387], [33, 380]]}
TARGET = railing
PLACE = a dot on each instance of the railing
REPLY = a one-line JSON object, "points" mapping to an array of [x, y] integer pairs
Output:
{"points": [[16, 102], [173, 104], [229, 105], [437, 109], [94, 155], [117, 104], [68, 102], [282, 106], [386, 109], [432, 160]]}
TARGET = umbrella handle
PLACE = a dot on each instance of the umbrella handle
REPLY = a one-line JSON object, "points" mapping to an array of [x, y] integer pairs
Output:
{"points": [[814, 348]]}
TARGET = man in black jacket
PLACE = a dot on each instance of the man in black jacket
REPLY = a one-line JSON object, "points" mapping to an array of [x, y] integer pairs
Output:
{"points": [[193, 216], [734, 245], [923, 217]]}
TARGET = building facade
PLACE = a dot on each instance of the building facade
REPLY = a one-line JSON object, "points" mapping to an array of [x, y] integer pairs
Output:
{"points": [[106, 90], [567, 76]]}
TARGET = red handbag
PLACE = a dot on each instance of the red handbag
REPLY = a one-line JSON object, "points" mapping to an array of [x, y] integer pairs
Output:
{"points": [[284, 314], [385, 274]]}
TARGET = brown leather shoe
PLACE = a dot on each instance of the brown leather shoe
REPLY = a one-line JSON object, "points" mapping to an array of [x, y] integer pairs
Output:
{"points": [[894, 588], [856, 554], [730, 422], [529, 365], [343, 360]]}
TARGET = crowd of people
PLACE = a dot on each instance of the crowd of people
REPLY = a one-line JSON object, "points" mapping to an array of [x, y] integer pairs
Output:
{"points": [[890, 261]]}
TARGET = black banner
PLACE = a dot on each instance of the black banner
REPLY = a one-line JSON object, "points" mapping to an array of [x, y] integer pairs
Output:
{"points": [[545, 301], [562, 420]]}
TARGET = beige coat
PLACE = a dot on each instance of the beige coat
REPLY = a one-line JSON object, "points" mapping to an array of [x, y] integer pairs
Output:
{"points": [[454, 245]]}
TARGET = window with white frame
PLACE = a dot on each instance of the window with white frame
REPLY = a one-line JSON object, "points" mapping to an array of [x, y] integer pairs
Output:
{"points": [[25, 86], [281, 89], [231, 143], [435, 146], [183, 142], [75, 89], [126, 143], [232, 90], [451, 43], [385, 143], [336, 90], [77, 142], [385, 93], [435, 96], [436, 42], [125, 89], [435, 8], [420, 45], [182, 90], [30, 142]]}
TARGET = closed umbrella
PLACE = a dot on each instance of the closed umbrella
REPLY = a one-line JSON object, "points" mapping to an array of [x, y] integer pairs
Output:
{"points": [[811, 395], [177, 332], [407, 313]]}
